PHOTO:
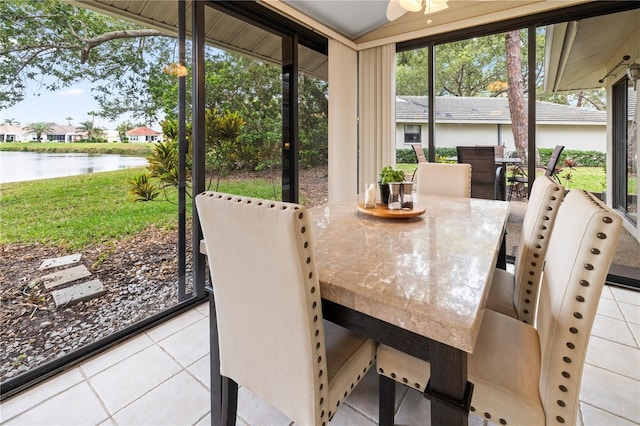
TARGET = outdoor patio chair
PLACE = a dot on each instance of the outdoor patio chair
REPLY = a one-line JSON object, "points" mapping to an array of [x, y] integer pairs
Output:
{"points": [[486, 176], [420, 157], [518, 180], [453, 180], [272, 337], [516, 294], [526, 374], [498, 150], [419, 151]]}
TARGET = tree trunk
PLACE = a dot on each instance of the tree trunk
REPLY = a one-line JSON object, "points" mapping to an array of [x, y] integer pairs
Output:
{"points": [[515, 80]]}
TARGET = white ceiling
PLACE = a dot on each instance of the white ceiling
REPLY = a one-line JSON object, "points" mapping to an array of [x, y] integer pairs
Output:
{"points": [[365, 23], [351, 18]]}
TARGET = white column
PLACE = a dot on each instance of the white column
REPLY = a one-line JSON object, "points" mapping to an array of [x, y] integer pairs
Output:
{"points": [[343, 126]]}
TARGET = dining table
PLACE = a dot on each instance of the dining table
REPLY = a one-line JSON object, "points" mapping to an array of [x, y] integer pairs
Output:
{"points": [[416, 283]]}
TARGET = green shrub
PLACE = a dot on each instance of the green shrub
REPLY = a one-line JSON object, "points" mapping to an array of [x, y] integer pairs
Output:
{"points": [[407, 155], [581, 158], [143, 189]]}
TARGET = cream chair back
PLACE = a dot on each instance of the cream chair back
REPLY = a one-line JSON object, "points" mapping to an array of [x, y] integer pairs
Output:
{"points": [[267, 299], [539, 220], [453, 180], [578, 258]]}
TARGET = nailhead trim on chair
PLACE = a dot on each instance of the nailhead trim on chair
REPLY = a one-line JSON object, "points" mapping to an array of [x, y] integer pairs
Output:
{"points": [[566, 358], [526, 305], [577, 315], [570, 388], [320, 372], [316, 306]]}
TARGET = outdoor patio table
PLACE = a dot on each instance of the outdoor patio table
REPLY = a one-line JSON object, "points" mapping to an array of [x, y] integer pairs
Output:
{"points": [[416, 284]]}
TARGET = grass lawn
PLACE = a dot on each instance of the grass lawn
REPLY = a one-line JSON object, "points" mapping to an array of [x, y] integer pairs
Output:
{"points": [[78, 211], [135, 149]]}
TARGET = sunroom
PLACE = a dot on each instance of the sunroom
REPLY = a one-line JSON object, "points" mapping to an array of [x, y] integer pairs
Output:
{"points": [[352, 45]]}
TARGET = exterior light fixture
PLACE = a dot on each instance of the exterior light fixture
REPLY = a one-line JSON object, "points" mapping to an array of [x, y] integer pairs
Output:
{"points": [[633, 72], [430, 6], [625, 58]]}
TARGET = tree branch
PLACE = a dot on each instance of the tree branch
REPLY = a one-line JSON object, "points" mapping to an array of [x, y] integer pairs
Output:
{"points": [[115, 35], [33, 56]]}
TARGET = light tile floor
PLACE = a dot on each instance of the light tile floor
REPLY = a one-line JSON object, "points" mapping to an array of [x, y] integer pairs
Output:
{"points": [[162, 377]]}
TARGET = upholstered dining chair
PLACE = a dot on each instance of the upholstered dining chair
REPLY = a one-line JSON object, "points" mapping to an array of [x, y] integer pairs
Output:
{"points": [[524, 374], [272, 337], [453, 180], [516, 294]]}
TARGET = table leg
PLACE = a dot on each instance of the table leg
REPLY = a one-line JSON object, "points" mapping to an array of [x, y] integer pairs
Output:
{"points": [[448, 389], [387, 400]]}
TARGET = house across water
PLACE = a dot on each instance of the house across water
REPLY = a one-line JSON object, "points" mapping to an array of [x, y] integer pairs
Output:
{"points": [[487, 121]]}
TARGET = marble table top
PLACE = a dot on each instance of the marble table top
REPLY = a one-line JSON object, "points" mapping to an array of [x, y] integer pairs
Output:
{"points": [[427, 274]]}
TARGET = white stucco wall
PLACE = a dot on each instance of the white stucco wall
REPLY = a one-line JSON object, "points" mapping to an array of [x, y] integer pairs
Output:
{"points": [[579, 137]]}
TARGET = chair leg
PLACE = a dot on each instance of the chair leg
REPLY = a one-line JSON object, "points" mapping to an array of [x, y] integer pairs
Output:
{"points": [[501, 262], [230, 406], [387, 401]]}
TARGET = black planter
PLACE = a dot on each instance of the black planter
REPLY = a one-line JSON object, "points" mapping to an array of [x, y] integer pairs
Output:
{"points": [[384, 193]]}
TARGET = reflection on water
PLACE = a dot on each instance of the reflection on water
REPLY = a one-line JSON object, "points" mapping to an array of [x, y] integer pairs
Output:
{"points": [[22, 166]]}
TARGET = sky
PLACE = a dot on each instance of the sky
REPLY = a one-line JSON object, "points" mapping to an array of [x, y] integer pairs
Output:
{"points": [[55, 107]]}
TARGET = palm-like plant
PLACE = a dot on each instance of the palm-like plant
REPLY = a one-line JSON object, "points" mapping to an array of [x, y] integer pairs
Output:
{"points": [[39, 128], [90, 129], [222, 132], [122, 129], [221, 139]]}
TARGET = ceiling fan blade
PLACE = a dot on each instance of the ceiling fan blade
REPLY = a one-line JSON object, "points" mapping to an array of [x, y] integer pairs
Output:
{"points": [[394, 10]]}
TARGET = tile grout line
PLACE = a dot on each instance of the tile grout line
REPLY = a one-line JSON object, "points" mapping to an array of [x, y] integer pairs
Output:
{"points": [[42, 401], [207, 387], [145, 394], [173, 333], [97, 395], [88, 376], [627, 322], [608, 371], [609, 340], [201, 418], [608, 412]]}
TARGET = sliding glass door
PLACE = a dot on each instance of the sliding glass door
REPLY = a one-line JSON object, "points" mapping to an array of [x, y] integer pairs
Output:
{"points": [[625, 149]]}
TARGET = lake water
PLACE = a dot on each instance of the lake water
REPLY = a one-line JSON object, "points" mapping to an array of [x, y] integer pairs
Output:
{"points": [[22, 166]]}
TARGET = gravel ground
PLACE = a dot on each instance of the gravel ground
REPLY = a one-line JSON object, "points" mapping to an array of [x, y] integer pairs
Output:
{"points": [[139, 275]]}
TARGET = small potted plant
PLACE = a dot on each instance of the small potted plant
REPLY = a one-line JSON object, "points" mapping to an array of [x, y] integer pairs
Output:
{"points": [[388, 174]]}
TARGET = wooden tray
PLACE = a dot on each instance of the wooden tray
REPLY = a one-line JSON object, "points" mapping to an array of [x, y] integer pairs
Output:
{"points": [[381, 210]]}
